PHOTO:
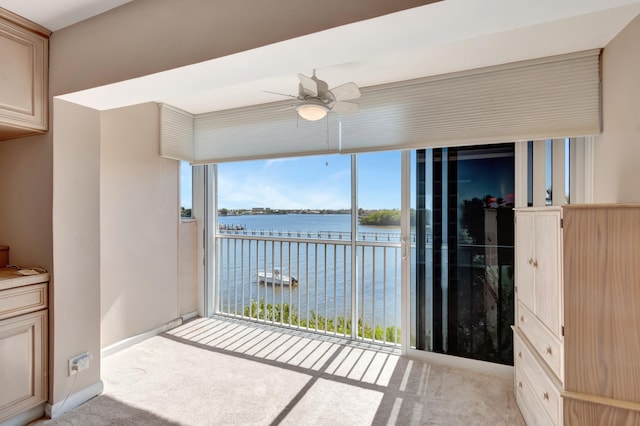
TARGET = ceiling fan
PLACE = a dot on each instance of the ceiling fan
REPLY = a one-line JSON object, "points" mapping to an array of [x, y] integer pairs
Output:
{"points": [[316, 99]]}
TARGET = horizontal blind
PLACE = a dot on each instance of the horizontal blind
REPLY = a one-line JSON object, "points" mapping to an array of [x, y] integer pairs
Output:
{"points": [[176, 133], [539, 99], [264, 131]]}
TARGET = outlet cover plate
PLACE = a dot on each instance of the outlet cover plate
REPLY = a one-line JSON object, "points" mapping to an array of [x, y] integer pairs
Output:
{"points": [[79, 363]]}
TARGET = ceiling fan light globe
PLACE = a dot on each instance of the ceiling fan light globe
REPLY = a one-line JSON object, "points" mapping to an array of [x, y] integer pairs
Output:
{"points": [[312, 112]]}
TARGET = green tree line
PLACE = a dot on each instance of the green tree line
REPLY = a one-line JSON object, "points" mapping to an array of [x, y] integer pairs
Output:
{"points": [[382, 218], [388, 217]]}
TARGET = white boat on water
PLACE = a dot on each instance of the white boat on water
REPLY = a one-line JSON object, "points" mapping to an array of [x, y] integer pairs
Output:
{"points": [[276, 277]]}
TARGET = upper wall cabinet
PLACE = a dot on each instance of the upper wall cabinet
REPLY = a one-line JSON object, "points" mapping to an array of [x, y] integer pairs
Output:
{"points": [[24, 75]]}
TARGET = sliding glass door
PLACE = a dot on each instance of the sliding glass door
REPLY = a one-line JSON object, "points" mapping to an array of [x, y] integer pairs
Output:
{"points": [[462, 280]]}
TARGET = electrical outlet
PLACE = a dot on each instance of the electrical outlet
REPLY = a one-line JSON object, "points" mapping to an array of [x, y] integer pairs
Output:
{"points": [[79, 363]]}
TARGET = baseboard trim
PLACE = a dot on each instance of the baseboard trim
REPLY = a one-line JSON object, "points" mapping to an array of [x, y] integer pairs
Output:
{"points": [[475, 365], [74, 400], [123, 344], [25, 417], [190, 315]]}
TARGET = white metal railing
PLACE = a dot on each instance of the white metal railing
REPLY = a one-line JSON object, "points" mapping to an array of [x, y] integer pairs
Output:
{"points": [[307, 283], [315, 235]]}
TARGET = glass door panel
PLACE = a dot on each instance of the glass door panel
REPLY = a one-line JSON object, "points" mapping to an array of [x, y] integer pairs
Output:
{"points": [[463, 283]]}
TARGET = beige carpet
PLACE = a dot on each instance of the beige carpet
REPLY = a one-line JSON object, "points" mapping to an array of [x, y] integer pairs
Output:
{"points": [[227, 372]]}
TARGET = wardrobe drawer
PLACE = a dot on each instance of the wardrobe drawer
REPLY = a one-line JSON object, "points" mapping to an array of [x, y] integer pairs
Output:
{"points": [[545, 343], [539, 388], [532, 411]]}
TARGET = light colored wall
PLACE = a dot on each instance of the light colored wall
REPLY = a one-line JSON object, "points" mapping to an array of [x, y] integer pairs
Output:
{"points": [[75, 294], [25, 200], [188, 267], [617, 149], [139, 218]]}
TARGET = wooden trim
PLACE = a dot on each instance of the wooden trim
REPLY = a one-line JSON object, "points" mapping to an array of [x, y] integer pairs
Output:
{"points": [[627, 405], [24, 23], [601, 206]]}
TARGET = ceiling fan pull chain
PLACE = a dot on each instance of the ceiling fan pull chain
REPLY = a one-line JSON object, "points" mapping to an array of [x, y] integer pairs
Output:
{"points": [[328, 146], [340, 133]]}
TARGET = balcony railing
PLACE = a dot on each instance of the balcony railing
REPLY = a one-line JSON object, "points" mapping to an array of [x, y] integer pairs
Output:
{"points": [[310, 282], [315, 235]]}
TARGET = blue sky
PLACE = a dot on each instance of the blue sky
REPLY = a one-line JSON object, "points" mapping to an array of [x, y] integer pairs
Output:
{"points": [[314, 182], [185, 185]]}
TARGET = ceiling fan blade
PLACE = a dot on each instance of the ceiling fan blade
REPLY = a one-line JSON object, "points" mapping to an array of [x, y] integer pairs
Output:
{"points": [[344, 107], [346, 91], [308, 85], [281, 94]]}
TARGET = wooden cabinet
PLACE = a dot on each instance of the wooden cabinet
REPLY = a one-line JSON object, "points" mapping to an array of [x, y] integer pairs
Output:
{"points": [[577, 338], [23, 345], [24, 75], [538, 247], [538, 341]]}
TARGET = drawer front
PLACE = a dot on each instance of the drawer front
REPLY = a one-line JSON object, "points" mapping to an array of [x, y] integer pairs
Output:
{"points": [[536, 385], [543, 340], [532, 411], [22, 300]]}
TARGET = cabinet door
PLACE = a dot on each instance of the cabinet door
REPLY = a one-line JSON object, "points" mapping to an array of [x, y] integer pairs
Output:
{"points": [[23, 363], [524, 256], [547, 266], [23, 80]]}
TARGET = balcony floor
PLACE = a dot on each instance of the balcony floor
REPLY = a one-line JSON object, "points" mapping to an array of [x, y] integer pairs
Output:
{"points": [[219, 371]]}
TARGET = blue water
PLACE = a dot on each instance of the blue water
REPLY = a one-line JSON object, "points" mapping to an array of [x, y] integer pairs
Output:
{"points": [[323, 269], [302, 222]]}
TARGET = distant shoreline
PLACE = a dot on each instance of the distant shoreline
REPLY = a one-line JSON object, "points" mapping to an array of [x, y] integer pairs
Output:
{"points": [[259, 211], [277, 214]]}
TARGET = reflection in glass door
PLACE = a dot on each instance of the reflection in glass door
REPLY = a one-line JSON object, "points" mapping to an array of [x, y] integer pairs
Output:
{"points": [[462, 286]]}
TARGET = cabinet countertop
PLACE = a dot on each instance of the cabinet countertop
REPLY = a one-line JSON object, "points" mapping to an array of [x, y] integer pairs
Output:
{"points": [[10, 278]]}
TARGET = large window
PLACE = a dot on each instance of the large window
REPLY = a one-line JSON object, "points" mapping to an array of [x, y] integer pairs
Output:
{"points": [[289, 250], [315, 242], [552, 160]]}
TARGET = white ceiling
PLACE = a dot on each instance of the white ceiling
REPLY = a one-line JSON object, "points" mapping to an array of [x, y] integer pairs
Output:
{"points": [[448, 36], [57, 14]]}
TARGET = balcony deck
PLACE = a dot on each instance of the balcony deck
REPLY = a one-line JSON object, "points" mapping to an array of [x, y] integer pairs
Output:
{"points": [[220, 371]]}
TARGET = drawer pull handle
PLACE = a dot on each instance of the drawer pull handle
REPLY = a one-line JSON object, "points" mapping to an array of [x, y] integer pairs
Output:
{"points": [[535, 264], [549, 350], [530, 261], [522, 318], [545, 396], [519, 354], [520, 384]]}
